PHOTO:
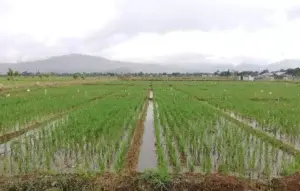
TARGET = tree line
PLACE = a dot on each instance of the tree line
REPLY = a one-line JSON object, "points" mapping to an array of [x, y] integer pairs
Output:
{"points": [[13, 73]]}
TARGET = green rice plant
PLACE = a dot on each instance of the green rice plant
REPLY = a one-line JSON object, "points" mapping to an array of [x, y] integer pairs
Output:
{"points": [[212, 143], [88, 140], [274, 106], [161, 155], [159, 180], [35, 106]]}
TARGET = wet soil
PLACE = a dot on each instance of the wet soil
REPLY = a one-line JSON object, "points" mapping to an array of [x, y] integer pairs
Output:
{"points": [[286, 183], [138, 181], [134, 150]]}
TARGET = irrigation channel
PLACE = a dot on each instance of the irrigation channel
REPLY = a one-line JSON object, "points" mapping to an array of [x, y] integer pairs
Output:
{"points": [[147, 157]]}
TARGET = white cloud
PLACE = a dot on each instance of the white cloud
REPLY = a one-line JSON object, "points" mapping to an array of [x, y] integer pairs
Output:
{"points": [[50, 20], [273, 43], [148, 30], [271, 4]]}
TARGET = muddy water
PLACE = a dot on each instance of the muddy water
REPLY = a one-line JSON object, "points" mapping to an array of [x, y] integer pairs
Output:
{"points": [[148, 158], [151, 94]]}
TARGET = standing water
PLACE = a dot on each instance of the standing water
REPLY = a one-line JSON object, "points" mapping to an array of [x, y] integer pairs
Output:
{"points": [[148, 158]]}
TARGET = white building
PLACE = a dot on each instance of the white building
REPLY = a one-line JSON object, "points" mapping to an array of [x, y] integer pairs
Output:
{"points": [[247, 78], [288, 77], [266, 76], [280, 73]]}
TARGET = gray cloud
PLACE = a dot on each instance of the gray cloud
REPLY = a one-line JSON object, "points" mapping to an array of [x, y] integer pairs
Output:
{"points": [[184, 58], [104, 39], [22, 48], [156, 16], [3, 7], [168, 15], [294, 13]]}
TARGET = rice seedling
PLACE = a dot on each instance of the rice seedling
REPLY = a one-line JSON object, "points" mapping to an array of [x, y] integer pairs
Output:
{"points": [[19, 111], [93, 139], [205, 127], [208, 142], [274, 109]]}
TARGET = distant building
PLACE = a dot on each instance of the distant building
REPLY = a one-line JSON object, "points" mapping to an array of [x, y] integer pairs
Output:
{"points": [[280, 73], [266, 76], [207, 75], [246, 78], [288, 77]]}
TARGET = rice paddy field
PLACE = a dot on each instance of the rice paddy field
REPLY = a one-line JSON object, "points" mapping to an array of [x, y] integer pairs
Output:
{"points": [[222, 135]]}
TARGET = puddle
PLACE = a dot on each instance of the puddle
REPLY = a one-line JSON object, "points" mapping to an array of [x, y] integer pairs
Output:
{"points": [[151, 94], [147, 157]]}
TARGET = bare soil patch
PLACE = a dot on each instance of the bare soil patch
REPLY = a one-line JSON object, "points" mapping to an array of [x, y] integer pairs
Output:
{"points": [[134, 150]]}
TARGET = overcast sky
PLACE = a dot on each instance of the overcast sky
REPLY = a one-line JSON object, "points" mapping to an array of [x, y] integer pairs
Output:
{"points": [[151, 30]]}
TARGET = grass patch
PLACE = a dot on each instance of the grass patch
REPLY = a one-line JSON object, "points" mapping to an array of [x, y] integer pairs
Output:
{"points": [[158, 179]]}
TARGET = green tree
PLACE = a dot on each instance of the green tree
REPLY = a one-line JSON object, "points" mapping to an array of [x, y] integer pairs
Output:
{"points": [[76, 76], [10, 73], [16, 73]]}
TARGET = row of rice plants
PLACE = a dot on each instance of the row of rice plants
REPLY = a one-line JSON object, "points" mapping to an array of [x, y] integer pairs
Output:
{"points": [[161, 148], [167, 152], [16, 112], [272, 107], [209, 143], [93, 139]]}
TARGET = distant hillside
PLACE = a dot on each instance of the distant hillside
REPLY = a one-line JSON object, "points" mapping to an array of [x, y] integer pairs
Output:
{"points": [[284, 64], [84, 63]]}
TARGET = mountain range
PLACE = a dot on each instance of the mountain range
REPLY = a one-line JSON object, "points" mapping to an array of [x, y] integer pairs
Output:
{"points": [[84, 63]]}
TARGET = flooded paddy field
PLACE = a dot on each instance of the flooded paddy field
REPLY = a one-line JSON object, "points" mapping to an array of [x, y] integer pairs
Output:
{"points": [[208, 143], [162, 131], [84, 140]]}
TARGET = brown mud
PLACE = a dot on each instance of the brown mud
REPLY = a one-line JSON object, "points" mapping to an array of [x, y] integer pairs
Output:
{"points": [[287, 183], [138, 181], [134, 150]]}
